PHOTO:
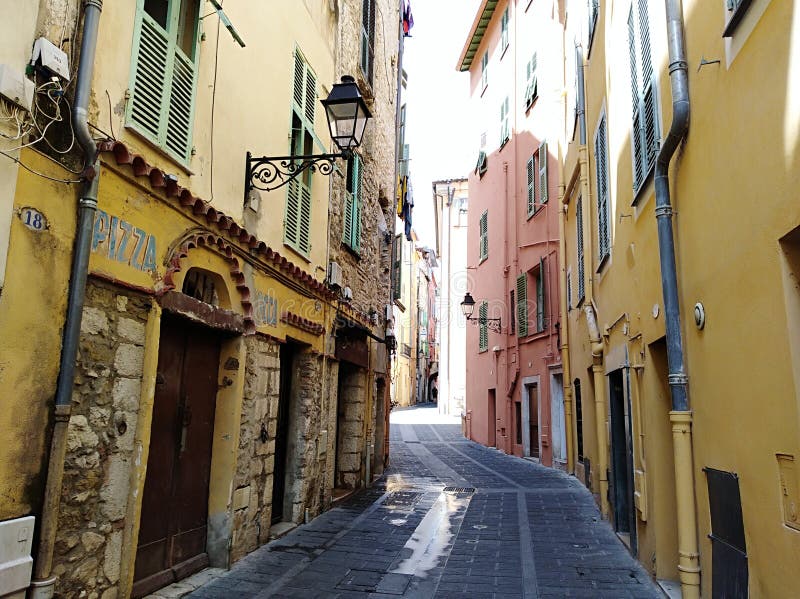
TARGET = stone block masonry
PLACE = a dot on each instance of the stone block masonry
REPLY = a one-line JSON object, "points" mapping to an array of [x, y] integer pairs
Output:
{"points": [[100, 442]]}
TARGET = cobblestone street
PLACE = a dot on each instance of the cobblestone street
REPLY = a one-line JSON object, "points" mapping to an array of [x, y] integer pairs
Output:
{"points": [[508, 529]]}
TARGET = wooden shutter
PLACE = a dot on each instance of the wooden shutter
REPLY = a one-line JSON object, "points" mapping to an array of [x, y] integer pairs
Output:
{"points": [[483, 327], [304, 226], [503, 132], [543, 172], [352, 205], [163, 84], [540, 297], [292, 213], [569, 290], [532, 81], [396, 267], [484, 235], [594, 12], [368, 38], [150, 76], [645, 128], [522, 305], [504, 29], [531, 186], [601, 170], [579, 235], [484, 70], [304, 90]]}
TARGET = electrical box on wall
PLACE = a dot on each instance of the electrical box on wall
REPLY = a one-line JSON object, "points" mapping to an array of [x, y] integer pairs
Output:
{"points": [[16, 563], [51, 57], [15, 88]]}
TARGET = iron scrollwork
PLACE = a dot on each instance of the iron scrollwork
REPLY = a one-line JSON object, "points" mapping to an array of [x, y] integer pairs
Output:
{"points": [[269, 173]]}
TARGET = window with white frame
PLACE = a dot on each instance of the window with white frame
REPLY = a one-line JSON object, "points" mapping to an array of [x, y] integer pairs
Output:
{"points": [[484, 71], [504, 31], [505, 117], [645, 131], [531, 82], [537, 179]]}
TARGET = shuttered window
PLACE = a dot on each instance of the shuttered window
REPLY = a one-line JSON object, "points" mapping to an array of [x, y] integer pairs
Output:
{"points": [[164, 74], [736, 12], [579, 236], [601, 170], [645, 128], [297, 224], [541, 303], [569, 289], [397, 263], [483, 327], [504, 30], [351, 234], [531, 82], [522, 305], [542, 154], [594, 13], [484, 236], [368, 39], [484, 71], [513, 303], [531, 172], [504, 118]]}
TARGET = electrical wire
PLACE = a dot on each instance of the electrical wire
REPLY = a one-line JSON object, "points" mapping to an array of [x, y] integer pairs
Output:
{"points": [[37, 173]]}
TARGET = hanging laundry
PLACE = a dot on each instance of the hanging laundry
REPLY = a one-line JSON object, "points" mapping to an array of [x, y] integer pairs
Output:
{"points": [[408, 19], [402, 187]]}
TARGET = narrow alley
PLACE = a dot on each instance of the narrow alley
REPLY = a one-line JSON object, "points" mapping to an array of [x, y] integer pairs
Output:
{"points": [[450, 518]]}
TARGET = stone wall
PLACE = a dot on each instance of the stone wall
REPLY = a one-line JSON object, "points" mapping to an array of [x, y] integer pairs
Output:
{"points": [[252, 497], [350, 426], [100, 443]]}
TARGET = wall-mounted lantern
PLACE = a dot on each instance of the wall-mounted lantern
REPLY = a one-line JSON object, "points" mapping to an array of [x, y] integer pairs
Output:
{"points": [[347, 115]]}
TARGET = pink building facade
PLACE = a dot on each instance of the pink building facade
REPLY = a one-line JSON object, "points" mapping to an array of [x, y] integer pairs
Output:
{"points": [[514, 384]]}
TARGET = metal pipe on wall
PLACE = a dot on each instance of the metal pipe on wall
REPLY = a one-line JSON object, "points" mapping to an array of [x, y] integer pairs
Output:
{"points": [[681, 415], [43, 583]]}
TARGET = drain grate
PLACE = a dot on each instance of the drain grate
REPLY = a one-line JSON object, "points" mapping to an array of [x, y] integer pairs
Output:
{"points": [[458, 490]]}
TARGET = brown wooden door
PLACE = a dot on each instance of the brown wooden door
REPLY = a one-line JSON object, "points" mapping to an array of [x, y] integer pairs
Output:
{"points": [[172, 532]]}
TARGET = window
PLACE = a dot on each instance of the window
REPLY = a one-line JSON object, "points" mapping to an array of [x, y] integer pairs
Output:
{"points": [[483, 327], [484, 236], [164, 74], [736, 12], [482, 163], [579, 232], [522, 305], [368, 39], [601, 170], [569, 289], [532, 84], [513, 310], [484, 71], [504, 118], [504, 30], [594, 13], [579, 418], [537, 179], [397, 263], [645, 129], [297, 225], [541, 303], [353, 200]]}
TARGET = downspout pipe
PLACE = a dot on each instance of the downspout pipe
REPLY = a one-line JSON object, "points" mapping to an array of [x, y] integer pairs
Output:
{"points": [[680, 416], [43, 583], [601, 410]]}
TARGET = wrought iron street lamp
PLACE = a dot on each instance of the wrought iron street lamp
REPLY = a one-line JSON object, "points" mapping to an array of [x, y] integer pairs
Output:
{"points": [[468, 307], [347, 115]]}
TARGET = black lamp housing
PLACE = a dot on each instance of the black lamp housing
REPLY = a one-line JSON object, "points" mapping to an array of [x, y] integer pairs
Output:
{"points": [[347, 114]]}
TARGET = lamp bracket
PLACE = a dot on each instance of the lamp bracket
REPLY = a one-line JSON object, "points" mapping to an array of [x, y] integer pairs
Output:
{"points": [[493, 324], [271, 172]]}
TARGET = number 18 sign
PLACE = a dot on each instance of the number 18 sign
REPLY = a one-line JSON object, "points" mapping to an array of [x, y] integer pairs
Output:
{"points": [[33, 219]]}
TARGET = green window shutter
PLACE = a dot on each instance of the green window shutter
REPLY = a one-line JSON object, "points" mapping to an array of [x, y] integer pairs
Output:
{"points": [[543, 172], [351, 235], [484, 70], [483, 327], [601, 170], [581, 270], [292, 223], [532, 81], [540, 298], [531, 185], [645, 128], [504, 29], [503, 134], [396, 267], [163, 80], [522, 305], [304, 227], [484, 236]]}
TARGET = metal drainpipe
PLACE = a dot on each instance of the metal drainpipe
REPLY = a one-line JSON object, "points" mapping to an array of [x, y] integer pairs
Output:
{"points": [[681, 415], [43, 584]]}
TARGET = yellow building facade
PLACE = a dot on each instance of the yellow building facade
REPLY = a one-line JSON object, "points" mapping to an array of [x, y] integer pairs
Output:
{"points": [[705, 497], [208, 305]]}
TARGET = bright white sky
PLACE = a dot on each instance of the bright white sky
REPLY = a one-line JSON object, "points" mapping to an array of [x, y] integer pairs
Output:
{"points": [[441, 145]]}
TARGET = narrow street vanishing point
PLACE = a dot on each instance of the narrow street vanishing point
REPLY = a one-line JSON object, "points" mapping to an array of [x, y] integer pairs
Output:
{"points": [[450, 518]]}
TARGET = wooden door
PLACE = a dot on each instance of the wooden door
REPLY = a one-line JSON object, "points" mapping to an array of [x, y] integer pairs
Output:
{"points": [[173, 527], [492, 419]]}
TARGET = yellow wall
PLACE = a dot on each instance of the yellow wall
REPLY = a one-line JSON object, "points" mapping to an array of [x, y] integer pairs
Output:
{"points": [[733, 192]]}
